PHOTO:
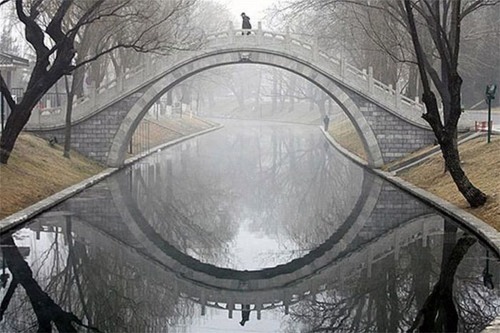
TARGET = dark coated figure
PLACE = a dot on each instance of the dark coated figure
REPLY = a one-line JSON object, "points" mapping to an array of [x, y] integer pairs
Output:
{"points": [[246, 23], [245, 314], [326, 122]]}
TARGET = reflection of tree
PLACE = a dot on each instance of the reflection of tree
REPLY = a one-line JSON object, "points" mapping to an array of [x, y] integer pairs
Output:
{"points": [[393, 298], [360, 304], [277, 180], [439, 312], [291, 185], [122, 292], [46, 310], [191, 216], [103, 285]]}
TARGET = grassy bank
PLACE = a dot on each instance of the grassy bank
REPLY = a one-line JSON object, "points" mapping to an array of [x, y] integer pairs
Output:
{"points": [[37, 169], [480, 161]]}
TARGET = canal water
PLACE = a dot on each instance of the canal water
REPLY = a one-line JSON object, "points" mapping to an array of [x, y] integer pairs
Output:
{"points": [[257, 227]]}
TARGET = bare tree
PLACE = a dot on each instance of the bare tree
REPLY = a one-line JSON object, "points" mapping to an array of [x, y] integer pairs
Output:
{"points": [[443, 20], [434, 29], [52, 28]]}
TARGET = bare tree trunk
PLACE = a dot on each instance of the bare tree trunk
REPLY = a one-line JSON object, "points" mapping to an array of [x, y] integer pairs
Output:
{"points": [[8, 297], [274, 103], [257, 92], [447, 134], [413, 82], [69, 111], [473, 195], [291, 92], [18, 118]]}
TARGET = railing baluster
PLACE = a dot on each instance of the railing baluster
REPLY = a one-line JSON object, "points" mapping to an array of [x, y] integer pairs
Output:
{"points": [[135, 77]]}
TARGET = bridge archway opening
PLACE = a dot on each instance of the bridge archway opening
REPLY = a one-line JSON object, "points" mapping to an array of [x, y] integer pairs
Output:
{"points": [[251, 91], [218, 58]]}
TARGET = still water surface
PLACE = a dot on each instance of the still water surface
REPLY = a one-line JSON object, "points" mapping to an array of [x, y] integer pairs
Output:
{"points": [[261, 216]]}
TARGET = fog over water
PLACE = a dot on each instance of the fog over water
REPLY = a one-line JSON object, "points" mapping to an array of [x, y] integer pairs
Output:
{"points": [[262, 214]]}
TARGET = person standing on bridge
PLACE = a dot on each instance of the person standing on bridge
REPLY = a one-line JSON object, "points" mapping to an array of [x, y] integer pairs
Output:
{"points": [[245, 314], [246, 23]]}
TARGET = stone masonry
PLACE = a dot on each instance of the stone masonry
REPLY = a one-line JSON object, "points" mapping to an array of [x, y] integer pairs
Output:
{"points": [[389, 124], [396, 138], [92, 137]]}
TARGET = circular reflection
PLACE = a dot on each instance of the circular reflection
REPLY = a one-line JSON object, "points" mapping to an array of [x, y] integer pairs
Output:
{"points": [[247, 199]]}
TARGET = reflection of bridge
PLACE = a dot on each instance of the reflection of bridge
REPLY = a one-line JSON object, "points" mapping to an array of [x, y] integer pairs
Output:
{"points": [[110, 219], [329, 271], [388, 123]]}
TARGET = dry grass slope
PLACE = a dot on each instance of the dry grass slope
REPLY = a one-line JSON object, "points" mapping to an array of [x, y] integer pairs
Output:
{"points": [[37, 170], [481, 163]]}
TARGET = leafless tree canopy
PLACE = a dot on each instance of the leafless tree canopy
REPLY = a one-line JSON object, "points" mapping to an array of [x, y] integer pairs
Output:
{"points": [[415, 43], [57, 30]]}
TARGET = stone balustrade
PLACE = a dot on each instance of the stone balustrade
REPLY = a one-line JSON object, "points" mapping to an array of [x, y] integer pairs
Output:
{"points": [[154, 67]]}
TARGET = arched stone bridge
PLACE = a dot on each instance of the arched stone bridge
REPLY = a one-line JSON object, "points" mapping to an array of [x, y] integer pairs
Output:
{"points": [[389, 124]]}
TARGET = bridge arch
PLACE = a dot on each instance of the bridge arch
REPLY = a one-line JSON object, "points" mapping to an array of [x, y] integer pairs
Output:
{"points": [[244, 55]]}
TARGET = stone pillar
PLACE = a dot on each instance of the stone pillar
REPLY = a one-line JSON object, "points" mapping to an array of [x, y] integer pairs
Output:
{"points": [[230, 32], [288, 38], [92, 93], [230, 307], [315, 48], [287, 306], [342, 68], [417, 106], [35, 115], [258, 308], [425, 234], [370, 80], [203, 303], [397, 95], [390, 92], [259, 33]]}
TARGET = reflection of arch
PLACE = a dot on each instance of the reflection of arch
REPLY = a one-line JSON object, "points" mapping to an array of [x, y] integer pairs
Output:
{"points": [[265, 56], [254, 284], [334, 272]]}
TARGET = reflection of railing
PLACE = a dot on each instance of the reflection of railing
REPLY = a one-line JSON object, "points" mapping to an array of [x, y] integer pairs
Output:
{"points": [[282, 285], [334, 273], [155, 67], [330, 273]]}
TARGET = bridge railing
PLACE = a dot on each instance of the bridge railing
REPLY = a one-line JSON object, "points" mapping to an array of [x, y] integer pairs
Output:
{"points": [[362, 81], [335, 270]]}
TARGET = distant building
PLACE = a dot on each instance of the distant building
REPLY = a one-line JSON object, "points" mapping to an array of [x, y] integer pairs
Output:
{"points": [[8, 65]]}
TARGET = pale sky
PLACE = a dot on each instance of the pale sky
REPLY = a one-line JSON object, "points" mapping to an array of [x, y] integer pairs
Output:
{"points": [[253, 8]]}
